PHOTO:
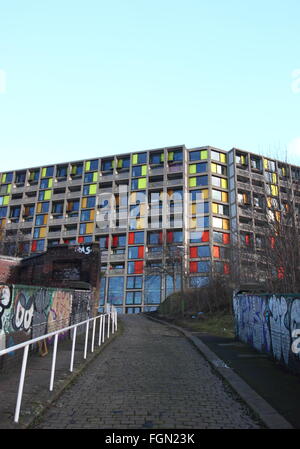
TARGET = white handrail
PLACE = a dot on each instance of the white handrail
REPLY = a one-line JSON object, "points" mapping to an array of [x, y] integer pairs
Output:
{"points": [[111, 321]]}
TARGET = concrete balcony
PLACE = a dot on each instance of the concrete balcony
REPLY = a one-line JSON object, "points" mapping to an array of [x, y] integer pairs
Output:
{"points": [[120, 272], [52, 234], [241, 172], [106, 178], [156, 184], [74, 182], [31, 188], [118, 176], [17, 189], [17, 201], [70, 195], [58, 196], [153, 171], [174, 182], [71, 233], [56, 221], [117, 257], [175, 168]]}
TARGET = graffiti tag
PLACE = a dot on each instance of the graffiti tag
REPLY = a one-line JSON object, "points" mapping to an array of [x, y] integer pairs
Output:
{"points": [[83, 249]]}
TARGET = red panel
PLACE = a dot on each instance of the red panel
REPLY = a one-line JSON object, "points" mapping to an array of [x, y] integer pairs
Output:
{"points": [[160, 238], [226, 268], [106, 242], [170, 236], [138, 266], [115, 241], [80, 239], [193, 267], [216, 252], [272, 242], [34, 245], [247, 240], [205, 236], [193, 252], [226, 238], [141, 252], [131, 238]]}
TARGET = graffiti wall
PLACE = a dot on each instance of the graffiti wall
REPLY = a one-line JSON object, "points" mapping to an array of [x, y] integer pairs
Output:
{"points": [[28, 312], [271, 324]]}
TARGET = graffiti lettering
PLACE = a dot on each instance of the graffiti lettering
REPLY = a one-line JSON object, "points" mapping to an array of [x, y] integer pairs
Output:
{"points": [[83, 249], [295, 347]]}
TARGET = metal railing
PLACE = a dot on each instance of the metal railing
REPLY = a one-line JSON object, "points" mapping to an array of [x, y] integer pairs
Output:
{"points": [[112, 326]]}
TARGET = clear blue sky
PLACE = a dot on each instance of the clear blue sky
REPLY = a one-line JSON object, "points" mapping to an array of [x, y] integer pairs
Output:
{"points": [[92, 78]]}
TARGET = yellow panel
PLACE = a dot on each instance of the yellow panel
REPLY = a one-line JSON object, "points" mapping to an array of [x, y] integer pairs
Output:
{"points": [[83, 203], [44, 172], [89, 228], [214, 167], [193, 223], [143, 209], [45, 218], [203, 154], [87, 165], [224, 183], [134, 159], [265, 163], [222, 157], [215, 208], [133, 198], [140, 223], [193, 209], [92, 214], [43, 232], [192, 182], [192, 168], [225, 224], [39, 207], [225, 197]]}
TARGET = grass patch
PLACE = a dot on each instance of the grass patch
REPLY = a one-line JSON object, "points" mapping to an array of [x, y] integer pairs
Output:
{"points": [[219, 324]]}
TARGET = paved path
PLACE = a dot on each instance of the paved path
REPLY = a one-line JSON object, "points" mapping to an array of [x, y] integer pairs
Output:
{"points": [[149, 377]]}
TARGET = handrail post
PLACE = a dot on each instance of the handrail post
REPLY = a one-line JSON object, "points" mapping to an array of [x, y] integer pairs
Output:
{"points": [[53, 361], [103, 328], [86, 339], [93, 335], [21, 383], [100, 331], [73, 348], [108, 322]]}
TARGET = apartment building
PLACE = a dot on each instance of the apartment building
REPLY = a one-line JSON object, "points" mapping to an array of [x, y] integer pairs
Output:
{"points": [[134, 204]]}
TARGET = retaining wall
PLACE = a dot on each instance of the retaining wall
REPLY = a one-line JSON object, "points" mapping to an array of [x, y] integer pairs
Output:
{"points": [[271, 324]]}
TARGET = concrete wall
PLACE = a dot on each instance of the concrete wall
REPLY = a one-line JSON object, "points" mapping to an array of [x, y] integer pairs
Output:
{"points": [[30, 311], [271, 324]]}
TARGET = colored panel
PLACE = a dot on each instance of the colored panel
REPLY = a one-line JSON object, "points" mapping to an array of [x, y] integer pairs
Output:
{"points": [[215, 208], [131, 238], [93, 189], [225, 197], [222, 157], [192, 168], [92, 214], [203, 154], [9, 188], [216, 252], [193, 267], [50, 182], [192, 182], [144, 170], [89, 228], [193, 252], [43, 232], [47, 195], [205, 236], [141, 252], [134, 159], [224, 183], [87, 166], [226, 238], [193, 223], [44, 171], [266, 163], [3, 178], [171, 156], [140, 224], [95, 177], [226, 268], [83, 203], [225, 224], [142, 183], [170, 236], [5, 200], [138, 267]]}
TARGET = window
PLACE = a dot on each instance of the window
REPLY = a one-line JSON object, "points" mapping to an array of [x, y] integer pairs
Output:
{"points": [[199, 251], [40, 220], [221, 237], [198, 195], [219, 169], [156, 158], [91, 165], [136, 252], [152, 289], [86, 228], [133, 297], [198, 168], [220, 196], [200, 208], [7, 178], [134, 282], [3, 212], [221, 157], [139, 158], [198, 181], [199, 236], [116, 289], [200, 267], [62, 172], [90, 189], [135, 267], [219, 182], [198, 155], [47, 172], [135, 237]]}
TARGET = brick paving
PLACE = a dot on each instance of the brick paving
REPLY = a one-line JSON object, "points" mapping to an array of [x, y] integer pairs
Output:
{"points": [[150, 377]]}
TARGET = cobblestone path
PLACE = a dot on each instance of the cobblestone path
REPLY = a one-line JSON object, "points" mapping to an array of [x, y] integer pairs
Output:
{"points": [[149, 377]]}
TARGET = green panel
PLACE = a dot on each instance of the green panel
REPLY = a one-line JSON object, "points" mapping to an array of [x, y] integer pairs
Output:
{"points": [[171, 156], [50, 182], [134, 159], [9, 188], [87, 165], [162, 157], [74, 169], [95, 176], [44, 172], [112, 164], [120, 163], [144, 170], [47, 195], [93, 189], [192, 182], [5, 200], [142, 183], [193, 168], [3, 178], [203, 154]]}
